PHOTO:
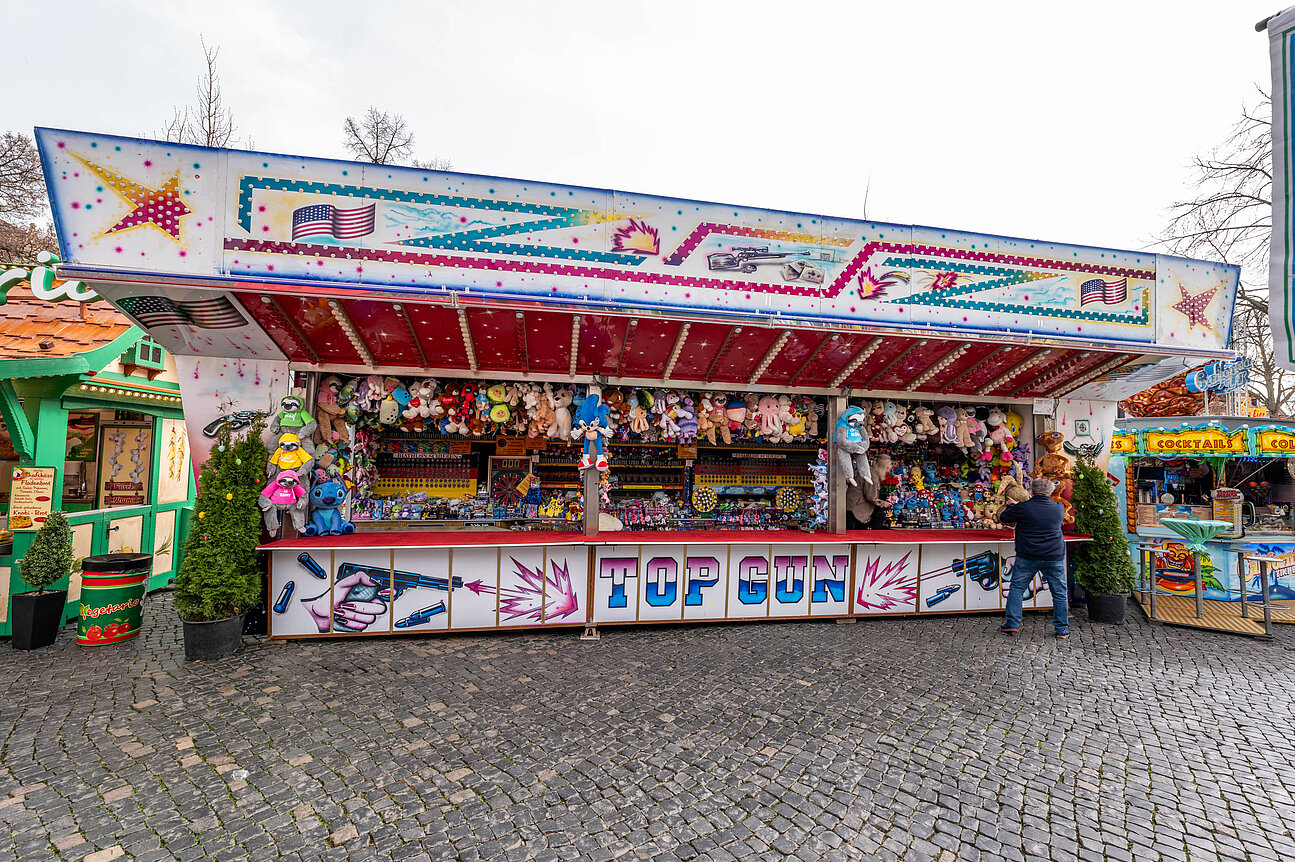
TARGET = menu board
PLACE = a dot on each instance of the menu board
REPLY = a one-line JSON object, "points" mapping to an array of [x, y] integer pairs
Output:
{"points": [[125, 459], [30, 497], [81, 431]]}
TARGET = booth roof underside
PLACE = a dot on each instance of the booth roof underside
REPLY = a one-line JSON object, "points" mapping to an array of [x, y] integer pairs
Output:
{"points": [[352, 267]]}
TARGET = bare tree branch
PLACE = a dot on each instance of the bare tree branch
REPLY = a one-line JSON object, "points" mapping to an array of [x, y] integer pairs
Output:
{"points": [[208, 122], [385, 139], [1229, 219], [22, 185]]}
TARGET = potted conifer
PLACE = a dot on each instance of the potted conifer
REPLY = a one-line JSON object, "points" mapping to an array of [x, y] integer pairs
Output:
{"points": [[221, 575], [1103, 566], [38, 615]]}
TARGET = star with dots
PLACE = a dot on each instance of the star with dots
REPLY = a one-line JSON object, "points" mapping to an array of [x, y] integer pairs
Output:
{"points": [[161, 207], [1195, 306]]}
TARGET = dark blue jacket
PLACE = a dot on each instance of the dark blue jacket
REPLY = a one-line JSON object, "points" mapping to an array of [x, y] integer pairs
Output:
{"points": [[1038, 529]]}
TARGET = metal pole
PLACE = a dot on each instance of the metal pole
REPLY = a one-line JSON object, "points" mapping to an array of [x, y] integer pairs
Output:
{"points": [[1268, 611], [1152, 582], [1243, 575], [1200, 597], [1142, 571]]}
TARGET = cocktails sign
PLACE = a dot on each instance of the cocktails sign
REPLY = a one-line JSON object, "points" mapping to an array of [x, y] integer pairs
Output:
{"points": [[1201, 440]]}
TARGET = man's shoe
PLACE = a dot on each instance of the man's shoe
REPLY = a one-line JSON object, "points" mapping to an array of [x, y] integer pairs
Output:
{"points": [[1062, 635], [1007, 630]]}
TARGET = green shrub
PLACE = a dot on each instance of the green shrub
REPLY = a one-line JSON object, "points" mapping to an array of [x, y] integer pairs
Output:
{"points": [[221, 575], [1102, 564], [50, 555]]}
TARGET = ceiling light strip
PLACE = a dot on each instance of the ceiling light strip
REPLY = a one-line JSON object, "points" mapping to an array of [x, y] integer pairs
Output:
{"points": [[818, 351], [1013, 373], [678, 348], [339, 314], [413, 335], [626, 344], [894, 363], [291, 325], [575, 342], [1089, 376], [1061, 371], [769, 356], [466, 332], [853, 365], [723, 351], [940, 364]]}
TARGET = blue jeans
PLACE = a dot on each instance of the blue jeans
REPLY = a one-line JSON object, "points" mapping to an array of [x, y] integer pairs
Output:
{"points": [[1054, 572]]}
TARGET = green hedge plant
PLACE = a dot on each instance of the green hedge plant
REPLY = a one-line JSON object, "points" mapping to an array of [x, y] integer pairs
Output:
{"points": [[50, 556], [1102, 564]]}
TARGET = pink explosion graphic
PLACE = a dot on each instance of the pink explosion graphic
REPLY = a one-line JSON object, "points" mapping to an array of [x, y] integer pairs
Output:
{"points": [[884, 587], [537, 598]]}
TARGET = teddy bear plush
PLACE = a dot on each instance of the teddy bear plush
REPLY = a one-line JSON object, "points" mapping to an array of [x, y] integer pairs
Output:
{"points": [[926, 428], [560, 399], [1056, 466], [330, 417]]}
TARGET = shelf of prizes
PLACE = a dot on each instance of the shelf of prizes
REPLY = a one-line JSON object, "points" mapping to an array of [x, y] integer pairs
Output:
{"points": [[408, 505], [1219, 468]]}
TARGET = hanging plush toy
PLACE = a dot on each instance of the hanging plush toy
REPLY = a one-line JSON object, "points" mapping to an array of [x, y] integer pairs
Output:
{"points": [[852, 445], [542, 419], [999, 435], [687, 421], [290, 455], [899, 427], [591, 426], [668, 405], [330, 416], [561, 400], [283, 494], [293, 418], [948, 425], [926, 428], [793, 422]]}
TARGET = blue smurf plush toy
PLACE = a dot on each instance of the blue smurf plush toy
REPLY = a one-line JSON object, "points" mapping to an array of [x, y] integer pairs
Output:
{"points": [[592, 424], [325, 519]]}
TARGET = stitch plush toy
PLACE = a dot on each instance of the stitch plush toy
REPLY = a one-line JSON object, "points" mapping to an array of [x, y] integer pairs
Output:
{"points": [[325, 499], [283, 494], [852, 445], [591, 426], [329, 415]]}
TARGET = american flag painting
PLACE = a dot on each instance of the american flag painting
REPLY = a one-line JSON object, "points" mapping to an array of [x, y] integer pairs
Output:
{"points": [[214, 313], [327, 220], [1100, 290]]}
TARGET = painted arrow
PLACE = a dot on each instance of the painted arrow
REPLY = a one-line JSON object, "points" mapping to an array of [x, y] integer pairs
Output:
{"points": [[478, 587]]}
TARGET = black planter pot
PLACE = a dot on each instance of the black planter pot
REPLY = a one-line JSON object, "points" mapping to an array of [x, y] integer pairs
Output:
{"points": [[1106, 609], [213, 640], [37, 617]]}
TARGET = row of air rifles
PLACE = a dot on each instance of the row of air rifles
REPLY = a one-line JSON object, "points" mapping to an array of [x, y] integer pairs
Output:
{"points": [[308, 450]]}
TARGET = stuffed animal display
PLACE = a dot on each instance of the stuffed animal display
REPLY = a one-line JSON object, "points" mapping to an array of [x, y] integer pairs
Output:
{"points": [[326, 498], [283, 494]]}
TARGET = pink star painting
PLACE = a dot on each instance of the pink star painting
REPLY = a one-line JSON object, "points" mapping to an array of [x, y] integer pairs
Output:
{"points": [[161, 207], [1195, 307]]}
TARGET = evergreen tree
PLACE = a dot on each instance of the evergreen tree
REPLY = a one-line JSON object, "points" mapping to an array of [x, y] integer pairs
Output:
{"points": [[50, 555], [1103, 565], [221, 575]]}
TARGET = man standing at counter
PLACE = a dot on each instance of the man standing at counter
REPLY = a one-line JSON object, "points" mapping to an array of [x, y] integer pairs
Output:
{"points": [[1039, 549]]}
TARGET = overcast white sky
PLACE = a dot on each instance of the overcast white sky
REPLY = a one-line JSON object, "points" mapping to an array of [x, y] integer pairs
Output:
{"points": [[1068, 122]]}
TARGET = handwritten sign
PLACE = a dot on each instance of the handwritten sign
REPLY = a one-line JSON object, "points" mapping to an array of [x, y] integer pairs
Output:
{"points": [[31, 497], [125, 462]]}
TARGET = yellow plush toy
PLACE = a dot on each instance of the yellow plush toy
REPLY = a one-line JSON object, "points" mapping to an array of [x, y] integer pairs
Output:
{"points": [[290, 455]]}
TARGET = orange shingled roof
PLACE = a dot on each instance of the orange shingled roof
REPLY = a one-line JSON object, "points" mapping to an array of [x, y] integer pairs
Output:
{"points": [[26, 321]]}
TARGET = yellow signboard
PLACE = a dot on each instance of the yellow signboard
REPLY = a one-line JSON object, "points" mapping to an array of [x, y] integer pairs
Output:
{"points": [[1275, 441], [1124, 443], [1196, 441]]}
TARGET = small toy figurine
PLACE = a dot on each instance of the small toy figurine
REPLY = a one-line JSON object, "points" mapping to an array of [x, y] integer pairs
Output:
{"points": [[283, 494]]}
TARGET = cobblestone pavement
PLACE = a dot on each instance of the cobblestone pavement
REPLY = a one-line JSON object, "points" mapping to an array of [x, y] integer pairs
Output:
{"points": [[890, 739]]}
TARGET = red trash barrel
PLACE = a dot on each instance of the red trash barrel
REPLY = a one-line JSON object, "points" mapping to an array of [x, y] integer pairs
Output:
{"points": [[112, 592]]}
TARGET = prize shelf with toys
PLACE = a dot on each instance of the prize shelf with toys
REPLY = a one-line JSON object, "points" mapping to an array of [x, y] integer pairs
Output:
{"points": [[457, 453], [951, 466]]}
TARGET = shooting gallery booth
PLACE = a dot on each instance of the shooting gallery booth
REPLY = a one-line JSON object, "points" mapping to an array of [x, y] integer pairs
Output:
{"points": [[498, 404], [92, 426]]}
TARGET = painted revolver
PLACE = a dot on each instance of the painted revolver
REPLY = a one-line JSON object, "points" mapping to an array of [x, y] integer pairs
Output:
{"points": [[983, 568]]}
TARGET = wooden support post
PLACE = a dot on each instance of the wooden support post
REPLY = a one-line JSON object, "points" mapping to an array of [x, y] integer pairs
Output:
{"points": [[835, 479]]}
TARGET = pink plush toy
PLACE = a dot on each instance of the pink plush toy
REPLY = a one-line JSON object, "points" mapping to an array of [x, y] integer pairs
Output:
{"points": [[999, 435]]}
